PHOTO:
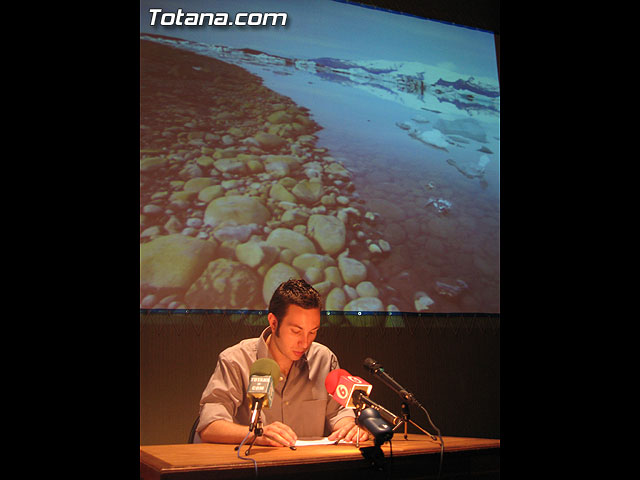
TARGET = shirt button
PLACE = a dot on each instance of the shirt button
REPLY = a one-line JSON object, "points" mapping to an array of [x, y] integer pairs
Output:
{"points": [[286, 403]]}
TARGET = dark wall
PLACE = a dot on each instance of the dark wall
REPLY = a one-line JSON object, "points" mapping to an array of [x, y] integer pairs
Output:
{"points": [[450, 363]]}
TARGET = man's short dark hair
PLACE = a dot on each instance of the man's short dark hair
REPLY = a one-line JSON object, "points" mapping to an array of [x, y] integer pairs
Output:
{"points": [[293, 292]]}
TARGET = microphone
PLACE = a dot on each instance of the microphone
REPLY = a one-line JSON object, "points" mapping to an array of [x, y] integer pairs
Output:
{"points": [[264, 375], [370, 419], [341, 385], [377, 369], [351, 392]]}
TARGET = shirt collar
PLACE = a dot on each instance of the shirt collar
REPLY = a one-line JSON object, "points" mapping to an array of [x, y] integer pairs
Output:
{"points": [[263, 349]]}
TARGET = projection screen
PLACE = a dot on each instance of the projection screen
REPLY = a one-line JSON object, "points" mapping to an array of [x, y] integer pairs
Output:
{"points": [[354, 147]]}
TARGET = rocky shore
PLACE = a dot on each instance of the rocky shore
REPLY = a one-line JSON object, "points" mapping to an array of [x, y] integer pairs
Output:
{"points": [[236, 197]]}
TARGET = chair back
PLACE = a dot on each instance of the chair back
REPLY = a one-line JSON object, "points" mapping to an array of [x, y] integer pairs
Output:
{"points": [[192, 433]]}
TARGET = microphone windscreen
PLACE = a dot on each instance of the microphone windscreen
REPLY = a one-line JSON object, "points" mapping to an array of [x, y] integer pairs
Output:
{"points": [[266, 366], [332, 379], [371, 420], [370, 364], [369, 413]]}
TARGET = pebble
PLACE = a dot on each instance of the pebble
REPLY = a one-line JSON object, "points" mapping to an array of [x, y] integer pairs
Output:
{"points": [[152, 210], [367, 289], [422, 301], [367, 304], [194, 222], [336, 299]]}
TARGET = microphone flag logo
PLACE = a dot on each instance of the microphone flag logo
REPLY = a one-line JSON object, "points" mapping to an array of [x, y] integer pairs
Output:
{"points": [[347, 385], [342, 392]]}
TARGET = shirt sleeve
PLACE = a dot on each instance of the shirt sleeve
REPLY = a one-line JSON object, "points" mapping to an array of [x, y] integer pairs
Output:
{"points": [[223, 395], [335, 411]]}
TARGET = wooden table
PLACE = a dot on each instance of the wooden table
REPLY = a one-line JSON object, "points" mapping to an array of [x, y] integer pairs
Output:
{"points": [[416, 457]]}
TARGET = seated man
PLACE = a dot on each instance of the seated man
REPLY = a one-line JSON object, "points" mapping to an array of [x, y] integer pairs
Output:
{"points": [[301, 406]]}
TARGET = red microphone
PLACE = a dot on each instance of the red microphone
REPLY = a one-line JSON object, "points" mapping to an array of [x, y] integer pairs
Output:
{"points": [[341, 385]]}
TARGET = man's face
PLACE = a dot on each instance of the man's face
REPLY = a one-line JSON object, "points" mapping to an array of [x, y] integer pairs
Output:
{"points": [[296, 331]]}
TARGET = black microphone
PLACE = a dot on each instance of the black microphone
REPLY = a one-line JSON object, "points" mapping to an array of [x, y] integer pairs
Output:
{"points": [[370, 419], [377, 369]]}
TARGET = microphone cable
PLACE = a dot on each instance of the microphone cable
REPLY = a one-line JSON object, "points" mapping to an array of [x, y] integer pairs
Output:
{"points": [[390, 473], [239, 448], [433, 437]]}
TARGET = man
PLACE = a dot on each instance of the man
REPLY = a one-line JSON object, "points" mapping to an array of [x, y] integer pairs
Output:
{"points": [[301, 406]]}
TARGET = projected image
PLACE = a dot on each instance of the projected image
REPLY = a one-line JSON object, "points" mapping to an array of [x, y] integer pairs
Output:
{"points": [[356, 148]]}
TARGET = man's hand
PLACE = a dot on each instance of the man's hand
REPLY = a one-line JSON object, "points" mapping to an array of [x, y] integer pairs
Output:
{"points": [[277, 434], [347, 430]]}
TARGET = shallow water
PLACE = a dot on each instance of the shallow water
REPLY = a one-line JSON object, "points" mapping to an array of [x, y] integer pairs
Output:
{"points": [[389, 166]]}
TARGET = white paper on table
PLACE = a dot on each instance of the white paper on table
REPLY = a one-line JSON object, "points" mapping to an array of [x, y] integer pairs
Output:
{"points": [[323, 441]]}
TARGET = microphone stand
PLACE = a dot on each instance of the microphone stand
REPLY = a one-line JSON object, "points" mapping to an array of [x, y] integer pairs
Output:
{"points": [[258, 433], [357, 412], [406, 419], [256, 425]]}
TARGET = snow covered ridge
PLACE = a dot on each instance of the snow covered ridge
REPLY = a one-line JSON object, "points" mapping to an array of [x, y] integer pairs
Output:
{"points": [[413, 84]]}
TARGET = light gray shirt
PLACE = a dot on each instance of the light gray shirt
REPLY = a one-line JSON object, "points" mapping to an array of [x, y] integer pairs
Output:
{"points": [[300, 400]]}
